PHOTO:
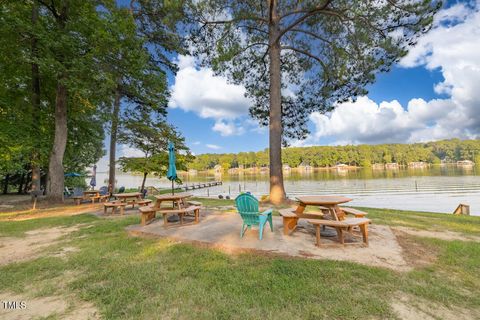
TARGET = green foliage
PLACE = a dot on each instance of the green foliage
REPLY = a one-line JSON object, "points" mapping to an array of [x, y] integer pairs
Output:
{"points": [[95, 48], [72, 182], [66, 47], [362, 155], [330, 50], [151, 137]]}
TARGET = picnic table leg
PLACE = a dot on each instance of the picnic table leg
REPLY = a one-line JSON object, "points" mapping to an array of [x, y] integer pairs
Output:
{"points": [[104, 209], [165, 220], [197, 215], [317, 232], [181, 218], [122, 210], [364, 229], [289, 224], [339, 212], [340, 235], [301, 207]]}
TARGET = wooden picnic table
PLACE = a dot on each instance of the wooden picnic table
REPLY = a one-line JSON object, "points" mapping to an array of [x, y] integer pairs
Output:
{"points": [[91, 193], [178, 200], [129, 197], [326, 203]]}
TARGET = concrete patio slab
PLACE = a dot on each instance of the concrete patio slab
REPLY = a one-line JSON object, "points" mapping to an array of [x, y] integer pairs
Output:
{"points": [[222, 231]]}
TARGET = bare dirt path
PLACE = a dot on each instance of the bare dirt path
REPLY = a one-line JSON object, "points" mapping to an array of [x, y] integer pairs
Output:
{"points": [[16, 249]]}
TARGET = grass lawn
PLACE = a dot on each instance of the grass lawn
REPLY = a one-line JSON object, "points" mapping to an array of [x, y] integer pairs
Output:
{"points": [[135, 278]]}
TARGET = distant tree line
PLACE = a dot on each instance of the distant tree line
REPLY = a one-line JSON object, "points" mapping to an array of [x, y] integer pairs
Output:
{"points": [[359, 155]]}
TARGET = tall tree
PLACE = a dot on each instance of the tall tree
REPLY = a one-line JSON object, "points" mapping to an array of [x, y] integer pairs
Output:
{"points": [[141, 39], [36, 175], [74, 31], [296, 57]]}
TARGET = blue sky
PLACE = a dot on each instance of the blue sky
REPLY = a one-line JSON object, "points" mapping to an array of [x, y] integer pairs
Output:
{"points": [[401, 84], [431, 94]]}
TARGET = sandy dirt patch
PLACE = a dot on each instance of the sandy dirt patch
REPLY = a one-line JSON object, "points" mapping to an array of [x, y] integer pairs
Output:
{"points": [[221, 231], [412, 308], [415, 253], [59, 303], [442, 235], [65, 307], [30, 246], [51, 212]]}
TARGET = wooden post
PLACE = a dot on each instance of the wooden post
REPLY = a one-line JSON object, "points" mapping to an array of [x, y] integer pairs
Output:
{"points": [[462, 209]]}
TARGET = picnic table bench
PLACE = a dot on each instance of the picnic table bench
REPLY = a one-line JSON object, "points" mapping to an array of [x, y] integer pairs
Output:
{"points": [[114, 205], [290, 218], [78, 199], [148, 213], [340, 226], [357, 213], [141, 202]]}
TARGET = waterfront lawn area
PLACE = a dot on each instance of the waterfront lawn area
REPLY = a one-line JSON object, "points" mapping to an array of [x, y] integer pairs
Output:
{"points": [[127, 277]]}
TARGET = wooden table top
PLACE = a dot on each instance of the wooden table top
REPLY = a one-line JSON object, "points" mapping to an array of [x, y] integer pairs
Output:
{"points": [[128, 194], [176, 196], [323, 200], [91, 191]]}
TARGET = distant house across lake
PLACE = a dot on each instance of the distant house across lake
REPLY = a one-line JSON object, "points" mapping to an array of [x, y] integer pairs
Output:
{"points": [[378, 166], [305, 167], [392, 166], [234, 170], [418, 164], [465, 163], [218, 169]]}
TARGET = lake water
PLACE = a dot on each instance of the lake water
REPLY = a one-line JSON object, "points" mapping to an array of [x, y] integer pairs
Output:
{"points": [[435, 189]]}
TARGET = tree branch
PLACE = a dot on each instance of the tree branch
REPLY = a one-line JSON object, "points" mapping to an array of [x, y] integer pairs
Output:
{"points": [[306, 53], [318, 37], [308, 14], [51, 8]]}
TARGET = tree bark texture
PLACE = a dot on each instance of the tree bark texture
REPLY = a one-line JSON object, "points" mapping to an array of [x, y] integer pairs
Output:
{"points": [[113, 139], [56, 176], [277, 190], [35, 103]]}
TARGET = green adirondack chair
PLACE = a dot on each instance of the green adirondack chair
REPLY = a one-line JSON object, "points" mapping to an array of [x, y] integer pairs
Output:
{"points": [[247, 207]]}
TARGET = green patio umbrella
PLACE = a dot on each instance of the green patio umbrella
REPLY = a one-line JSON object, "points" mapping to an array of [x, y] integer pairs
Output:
{"points": [[172, 169]]}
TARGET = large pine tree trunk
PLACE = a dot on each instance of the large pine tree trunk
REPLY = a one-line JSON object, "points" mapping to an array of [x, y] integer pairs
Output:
{"points": [[35, 103], [113, 139], [277, 190], [55, 184]]}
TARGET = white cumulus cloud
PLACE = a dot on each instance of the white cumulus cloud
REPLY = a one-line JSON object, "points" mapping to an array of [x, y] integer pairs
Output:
{"points": [[228, 128], [453, 47], [198, 90], [213, 146]]}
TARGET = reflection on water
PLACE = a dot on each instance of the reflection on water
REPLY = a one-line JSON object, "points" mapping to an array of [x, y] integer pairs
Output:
{"points": [[436, 189]]}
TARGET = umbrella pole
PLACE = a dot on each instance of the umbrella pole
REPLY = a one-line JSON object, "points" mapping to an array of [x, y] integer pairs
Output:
{"points": [[173, 192]]}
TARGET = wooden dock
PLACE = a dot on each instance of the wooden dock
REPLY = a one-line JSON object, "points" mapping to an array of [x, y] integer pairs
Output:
{"points": [[201, 185]]}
